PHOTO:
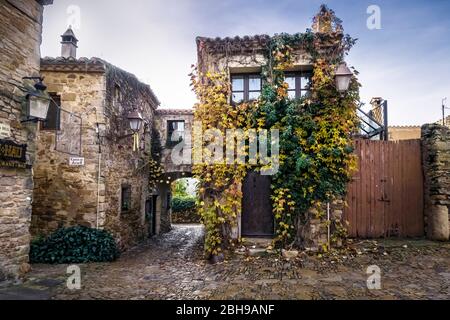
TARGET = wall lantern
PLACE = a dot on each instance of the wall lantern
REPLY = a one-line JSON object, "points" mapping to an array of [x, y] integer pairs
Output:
{"points": [[37, 101], [343, 76], [135, 120]]}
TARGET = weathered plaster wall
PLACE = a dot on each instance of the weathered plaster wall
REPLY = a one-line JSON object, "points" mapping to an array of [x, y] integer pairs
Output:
{"points": [[20, 34], [66, 195], [404, 132], [436, 166]]}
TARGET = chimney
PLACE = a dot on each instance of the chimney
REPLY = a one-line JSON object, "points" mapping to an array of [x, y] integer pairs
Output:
{"points": [[69, 44]]}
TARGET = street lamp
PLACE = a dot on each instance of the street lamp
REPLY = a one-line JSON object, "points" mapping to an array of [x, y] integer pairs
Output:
{"points": [[37, 101], [343, 75], [135, 120]]}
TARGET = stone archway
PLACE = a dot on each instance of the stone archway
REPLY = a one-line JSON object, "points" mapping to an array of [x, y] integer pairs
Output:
{"points": [[163, 191]]}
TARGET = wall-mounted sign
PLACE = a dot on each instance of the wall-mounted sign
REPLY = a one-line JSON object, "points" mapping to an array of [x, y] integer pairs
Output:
{"points": [[5, 130], [76, 161], [13, 155]]}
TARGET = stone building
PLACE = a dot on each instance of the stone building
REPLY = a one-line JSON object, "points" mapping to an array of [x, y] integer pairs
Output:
{"points": [[91, 169], [243, 59], [20, 34], [404, 132], [173, 126]]}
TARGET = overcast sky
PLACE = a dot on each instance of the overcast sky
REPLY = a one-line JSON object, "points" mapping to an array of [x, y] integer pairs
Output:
{"points": [[407, 61]]}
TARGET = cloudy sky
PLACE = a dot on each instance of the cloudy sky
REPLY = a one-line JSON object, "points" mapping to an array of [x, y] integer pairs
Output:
{"points": [[407, 61]]}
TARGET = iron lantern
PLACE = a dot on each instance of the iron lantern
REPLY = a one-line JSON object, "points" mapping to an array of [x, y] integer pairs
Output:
{"points": [[37, 102], [343, 77], [135, 120]]}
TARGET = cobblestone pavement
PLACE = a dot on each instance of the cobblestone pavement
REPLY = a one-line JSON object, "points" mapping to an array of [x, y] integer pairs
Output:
{"points": [[172, 267]]}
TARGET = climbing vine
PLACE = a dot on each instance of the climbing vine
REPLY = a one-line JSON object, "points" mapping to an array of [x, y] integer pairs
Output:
{"points": [[315, 161]]}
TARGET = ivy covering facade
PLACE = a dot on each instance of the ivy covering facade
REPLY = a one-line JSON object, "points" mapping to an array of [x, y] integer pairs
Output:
{"points": [[315, 151]]}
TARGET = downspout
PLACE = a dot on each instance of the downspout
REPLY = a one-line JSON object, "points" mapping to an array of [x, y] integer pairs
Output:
{"points": [[328, 225], [97, 130]]}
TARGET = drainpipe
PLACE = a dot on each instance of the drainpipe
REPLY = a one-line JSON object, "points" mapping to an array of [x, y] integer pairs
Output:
{"points": [[328, 225], [97, 130]]}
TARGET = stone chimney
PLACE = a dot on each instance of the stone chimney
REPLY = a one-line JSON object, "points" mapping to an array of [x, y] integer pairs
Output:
{"points": [[69, 44]]}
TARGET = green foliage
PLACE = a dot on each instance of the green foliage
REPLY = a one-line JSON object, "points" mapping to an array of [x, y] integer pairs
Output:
{"points": [[74, 245], [315, 144], [316, 158], [179, 188], [180, 204]]}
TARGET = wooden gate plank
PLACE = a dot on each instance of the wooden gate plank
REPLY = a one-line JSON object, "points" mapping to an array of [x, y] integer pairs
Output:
{"points": [[385, 196]]}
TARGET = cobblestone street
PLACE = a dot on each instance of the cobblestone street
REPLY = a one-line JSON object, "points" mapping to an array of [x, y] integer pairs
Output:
{"points": [[172, 267]]}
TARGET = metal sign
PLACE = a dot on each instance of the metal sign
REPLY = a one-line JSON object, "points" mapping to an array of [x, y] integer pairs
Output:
{"points": [[5, 130], [13, 155], [76, 161]]}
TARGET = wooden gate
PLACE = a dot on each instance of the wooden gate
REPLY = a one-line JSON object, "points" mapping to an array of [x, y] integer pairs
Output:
{"points": [[385, 197], [257, 217]]}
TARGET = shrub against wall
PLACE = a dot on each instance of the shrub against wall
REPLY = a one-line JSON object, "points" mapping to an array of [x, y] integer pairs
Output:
{"points": [[184, 210], [183, 204], [74, 245]]}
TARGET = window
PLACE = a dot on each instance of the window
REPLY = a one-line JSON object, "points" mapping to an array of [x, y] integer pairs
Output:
{"points": [[245, 87], [117, 98], [125, 198], [175, 131], [299, 84], [53, 121]]}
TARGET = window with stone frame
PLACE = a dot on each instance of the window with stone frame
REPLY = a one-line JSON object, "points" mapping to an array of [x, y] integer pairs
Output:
{"points": [[245, 87], [125, 198], [299, 84], [53, 121], [175, 131]]}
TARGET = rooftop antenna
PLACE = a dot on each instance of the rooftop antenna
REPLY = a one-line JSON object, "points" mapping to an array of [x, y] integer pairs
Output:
{"points": [[444, 106]]}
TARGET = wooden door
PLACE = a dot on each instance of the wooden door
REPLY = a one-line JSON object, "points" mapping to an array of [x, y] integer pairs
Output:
{"points": [[150, 213], [385, 197], [257, 217]]}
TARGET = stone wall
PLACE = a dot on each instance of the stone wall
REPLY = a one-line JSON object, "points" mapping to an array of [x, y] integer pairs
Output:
{"points": [[102, 95], [173, 170], [20, 34], [121, 165], [436, 166], [66, 195], [240, 55], [185, 158], [313, 233]]}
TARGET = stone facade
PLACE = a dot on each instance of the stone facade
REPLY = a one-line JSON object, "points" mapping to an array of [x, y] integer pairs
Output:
{"points": [[176, 159], [102, 95], [436, 166], [246, 55], [20, 34]]}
